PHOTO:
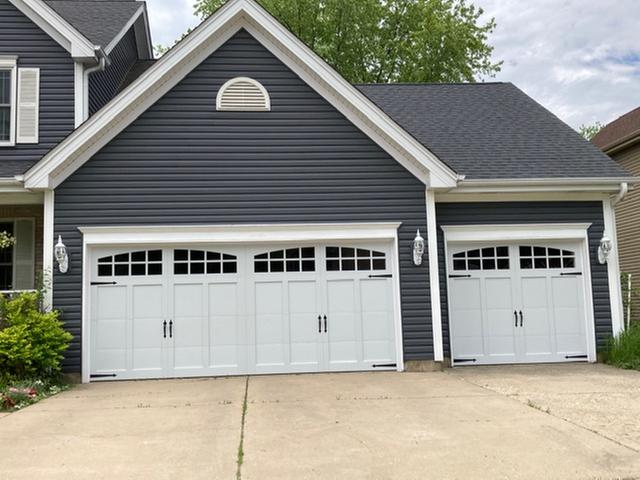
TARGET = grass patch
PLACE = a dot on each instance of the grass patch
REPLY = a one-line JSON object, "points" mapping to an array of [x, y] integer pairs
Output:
{"points": [[240, 460], [18, 394], [623, 351]]}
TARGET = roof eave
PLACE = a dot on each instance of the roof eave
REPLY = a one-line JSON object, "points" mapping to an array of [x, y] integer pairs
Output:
{"points": [[576, 184]]}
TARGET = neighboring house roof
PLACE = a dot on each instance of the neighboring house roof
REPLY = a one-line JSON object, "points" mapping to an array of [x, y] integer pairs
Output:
{"points": [[623, 130], [99, 20], [491, 131]]}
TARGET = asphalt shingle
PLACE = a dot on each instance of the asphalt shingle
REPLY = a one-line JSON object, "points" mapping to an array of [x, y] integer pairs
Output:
{"points": [[98, 20], [491, 131]]}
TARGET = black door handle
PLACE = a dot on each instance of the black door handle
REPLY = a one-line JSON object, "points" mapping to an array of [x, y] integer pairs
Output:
{"points": [[164, 329], [515, 313], [319, 323], [170, 328], [521, 317], [325, 324]]}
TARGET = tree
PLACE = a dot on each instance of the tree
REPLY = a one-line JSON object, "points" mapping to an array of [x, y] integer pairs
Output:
{"points": [[383, 41], [590, 131]]}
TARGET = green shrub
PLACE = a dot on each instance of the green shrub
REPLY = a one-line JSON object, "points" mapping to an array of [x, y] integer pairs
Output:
{"points": [[624, 350], [31, 341]]}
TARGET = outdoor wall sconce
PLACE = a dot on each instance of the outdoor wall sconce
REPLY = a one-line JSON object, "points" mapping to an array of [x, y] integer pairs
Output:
{"points": [[604, 250], [62, 257], [418, 249]]}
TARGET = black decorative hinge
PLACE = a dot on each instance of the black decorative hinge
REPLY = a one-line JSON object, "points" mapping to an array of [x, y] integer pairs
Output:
{"points": [[575, 274], [464, 360], [460, 276], [103, 375], [385, 365], [384, 275], [568, 357], [103, 283]]}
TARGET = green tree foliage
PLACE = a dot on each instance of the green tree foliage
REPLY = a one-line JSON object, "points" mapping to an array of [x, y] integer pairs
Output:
{"points": [[389, 40], [31, 341], [590, 131]]}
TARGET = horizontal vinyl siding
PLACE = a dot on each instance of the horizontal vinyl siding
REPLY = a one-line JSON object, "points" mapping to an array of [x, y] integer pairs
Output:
{"points": [[21, 37], [532, 212], [628, 224], [103, 86], [182, 162]]}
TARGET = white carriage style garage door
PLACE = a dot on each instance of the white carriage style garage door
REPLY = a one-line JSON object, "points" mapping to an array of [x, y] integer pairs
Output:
{"points": [[223, 309], [517, 303]]}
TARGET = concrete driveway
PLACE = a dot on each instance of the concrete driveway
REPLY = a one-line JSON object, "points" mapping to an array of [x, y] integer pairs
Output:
{"points": [[559, 422]]}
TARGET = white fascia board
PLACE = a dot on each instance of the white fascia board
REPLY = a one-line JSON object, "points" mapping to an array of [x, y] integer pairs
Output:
{"points": [[258, 233], [514, 185], [515, 232], [57, 28], [74, 151], [146, 47]]}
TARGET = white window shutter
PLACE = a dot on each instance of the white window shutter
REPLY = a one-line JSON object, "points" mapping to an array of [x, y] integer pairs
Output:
{"points": [[24, 254], [28, 105]]}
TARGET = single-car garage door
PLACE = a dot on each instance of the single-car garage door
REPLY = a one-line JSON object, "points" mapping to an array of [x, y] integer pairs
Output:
{"points": [[223, 309], [516, 303]]}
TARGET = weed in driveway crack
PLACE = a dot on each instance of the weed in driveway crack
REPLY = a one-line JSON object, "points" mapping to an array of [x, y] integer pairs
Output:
{"points": [[241, 446]]}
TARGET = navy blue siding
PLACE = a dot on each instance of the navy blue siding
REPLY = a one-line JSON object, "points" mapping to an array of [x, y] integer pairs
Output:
{"points": [[182, 162], [21, 37], [103, 86], [532, 212]]}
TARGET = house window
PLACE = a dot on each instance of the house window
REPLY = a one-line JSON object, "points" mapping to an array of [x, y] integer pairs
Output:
{"points": [[541, 258], [488, 258], [136, 264], [348, 259], [7, 101], [299, 259], [6, 259], [199, 262]]}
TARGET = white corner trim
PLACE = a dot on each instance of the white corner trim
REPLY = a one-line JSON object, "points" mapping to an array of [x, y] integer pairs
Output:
{"points": [[80, 95], [255, 83], [85, 367], [613, 269], [47, 245], [434, 277], [76, 149], [515, 232], [256, 233], [397, 304], [56, 27]]}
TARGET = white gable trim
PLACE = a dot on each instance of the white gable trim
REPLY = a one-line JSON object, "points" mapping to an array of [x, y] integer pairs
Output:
{"points": [[57, 28], [87, 140]]}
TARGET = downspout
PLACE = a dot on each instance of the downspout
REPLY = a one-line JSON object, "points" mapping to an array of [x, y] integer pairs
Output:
{"points": [[103, 63], [624, 189]]}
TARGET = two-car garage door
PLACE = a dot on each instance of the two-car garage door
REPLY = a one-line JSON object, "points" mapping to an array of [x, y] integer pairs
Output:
{"points": [[160, 311]]}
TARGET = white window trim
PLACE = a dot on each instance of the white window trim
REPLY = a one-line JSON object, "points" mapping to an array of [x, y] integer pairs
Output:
{"points": [[211, 234], [529, 232], [11, 64], [253, 82]]}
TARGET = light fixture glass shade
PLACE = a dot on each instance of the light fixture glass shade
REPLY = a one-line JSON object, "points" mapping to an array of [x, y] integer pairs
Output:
{"points": [[418, 249], [61, 256], [604, 250]]}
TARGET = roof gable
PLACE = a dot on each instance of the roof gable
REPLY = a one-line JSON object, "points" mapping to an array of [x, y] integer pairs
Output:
{"points": [[195, 48]]}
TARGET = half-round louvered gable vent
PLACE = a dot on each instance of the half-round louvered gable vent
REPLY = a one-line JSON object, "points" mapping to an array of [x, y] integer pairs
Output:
{"points": [[243, 94]]}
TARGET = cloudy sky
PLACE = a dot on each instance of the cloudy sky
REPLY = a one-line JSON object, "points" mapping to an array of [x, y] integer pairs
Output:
{"points": [[580, 59]]}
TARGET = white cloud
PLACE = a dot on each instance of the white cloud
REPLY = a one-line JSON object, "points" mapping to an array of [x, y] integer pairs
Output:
{"points": [[580, 59]]}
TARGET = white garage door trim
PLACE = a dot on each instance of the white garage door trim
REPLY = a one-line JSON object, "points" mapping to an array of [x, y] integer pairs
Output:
{"points": [[226, 234], [458, 234]]}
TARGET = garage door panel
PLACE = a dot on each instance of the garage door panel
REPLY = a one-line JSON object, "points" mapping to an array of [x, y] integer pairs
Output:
{"points": [[343, 315], [376, 304], [110, 329], [148, 316], [190, 326], [226, 333], [303, 323], [269, 324]]}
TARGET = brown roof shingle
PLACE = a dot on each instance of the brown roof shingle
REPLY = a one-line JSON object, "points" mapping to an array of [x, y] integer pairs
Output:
{"points": [[622, 129]]}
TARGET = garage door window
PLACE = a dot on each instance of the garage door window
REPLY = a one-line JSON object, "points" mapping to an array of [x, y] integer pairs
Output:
{"points": [[301, 259], [488, 258], [199, 262], [141, 263], [538, 258], [348, 259]]}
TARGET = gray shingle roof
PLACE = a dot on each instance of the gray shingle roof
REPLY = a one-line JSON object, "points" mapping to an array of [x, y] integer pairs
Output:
{"points": [[98, 20], [491, 131]]}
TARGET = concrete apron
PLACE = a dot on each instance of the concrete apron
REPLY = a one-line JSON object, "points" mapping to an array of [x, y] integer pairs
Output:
{"points": [[371, 425]]}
